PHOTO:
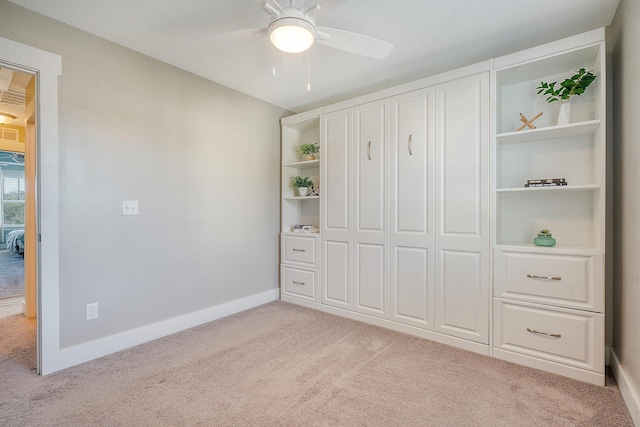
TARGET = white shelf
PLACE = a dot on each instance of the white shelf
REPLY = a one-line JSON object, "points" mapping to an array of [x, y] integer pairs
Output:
{"points": [[551, 132], [512, 69], [588, 187], [307, 164], [301, 198], [558, 249], [302, 233]]}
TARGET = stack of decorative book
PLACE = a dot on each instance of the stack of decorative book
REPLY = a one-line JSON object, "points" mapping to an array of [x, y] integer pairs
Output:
{"points": [[548, 182]]}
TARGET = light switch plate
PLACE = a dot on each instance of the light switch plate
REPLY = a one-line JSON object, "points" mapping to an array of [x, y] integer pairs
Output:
{"points": [[130, 207]]}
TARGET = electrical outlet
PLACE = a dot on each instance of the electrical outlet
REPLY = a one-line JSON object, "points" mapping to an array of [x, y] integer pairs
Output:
{"points": [[91, 311], [130, 207]]}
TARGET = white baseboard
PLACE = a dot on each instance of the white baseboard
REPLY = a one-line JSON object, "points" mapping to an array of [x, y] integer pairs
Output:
{"points": [[627, 388], [596, 378], [81, 353], [411, 330], [300, 301]]}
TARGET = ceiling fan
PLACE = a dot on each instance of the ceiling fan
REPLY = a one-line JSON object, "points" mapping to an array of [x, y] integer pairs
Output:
{"points": [[293, 29]]}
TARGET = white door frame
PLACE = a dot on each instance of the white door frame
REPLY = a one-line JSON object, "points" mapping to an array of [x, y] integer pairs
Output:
{"points": [[46, 67]]}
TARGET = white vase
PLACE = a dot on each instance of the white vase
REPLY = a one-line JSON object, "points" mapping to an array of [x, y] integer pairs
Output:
{"points": [[303, 191], [564, 113]]}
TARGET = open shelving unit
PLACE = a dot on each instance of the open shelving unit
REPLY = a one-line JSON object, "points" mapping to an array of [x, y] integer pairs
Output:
{"points": [[298, 129], [558, 292], [576, 151]]}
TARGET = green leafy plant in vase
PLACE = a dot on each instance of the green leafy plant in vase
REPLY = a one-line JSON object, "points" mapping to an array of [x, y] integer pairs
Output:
{"points": [[309, 150], [573, 86], [303, 184], [544, 238]]}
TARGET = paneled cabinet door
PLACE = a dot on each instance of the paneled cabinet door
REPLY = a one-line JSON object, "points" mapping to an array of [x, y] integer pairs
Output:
{"points": [[371, 136], [336, 218], [462, 214], [412, 171]]}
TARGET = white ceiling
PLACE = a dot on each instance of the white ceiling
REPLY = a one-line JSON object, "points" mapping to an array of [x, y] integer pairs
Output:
{"points": [[430, 36]]}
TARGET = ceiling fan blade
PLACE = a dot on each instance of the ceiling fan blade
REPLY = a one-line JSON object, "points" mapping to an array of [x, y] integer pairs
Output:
{"points": [[233, 35], [354, 43], [318, 8]]}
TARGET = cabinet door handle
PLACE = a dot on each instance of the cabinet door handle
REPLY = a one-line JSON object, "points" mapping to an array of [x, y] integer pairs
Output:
{"points": [[533, 331], [533, 276], [369, 150], [299, 250], [410, 142], [297, 283]]}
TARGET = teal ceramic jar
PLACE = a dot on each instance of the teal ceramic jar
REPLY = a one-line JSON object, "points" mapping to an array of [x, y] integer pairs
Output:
{"points": [[544, 239]]}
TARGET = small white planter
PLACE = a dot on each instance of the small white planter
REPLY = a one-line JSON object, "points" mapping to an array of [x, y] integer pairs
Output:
{"points": [[564, 113], [303, 191]]}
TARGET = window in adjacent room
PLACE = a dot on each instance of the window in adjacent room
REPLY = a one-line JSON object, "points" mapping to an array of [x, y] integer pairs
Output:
{"points": [[13, 200]]}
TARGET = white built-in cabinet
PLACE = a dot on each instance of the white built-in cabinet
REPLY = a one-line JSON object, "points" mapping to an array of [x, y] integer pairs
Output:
{"points": [[355, 219], [299, 252], [387, 252], [426, 227], [336, 219], [371, 208], [412, 213], [462, 208], [548, 305]]}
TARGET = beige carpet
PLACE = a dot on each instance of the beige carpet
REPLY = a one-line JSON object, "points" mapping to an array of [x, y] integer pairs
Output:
{"points": [[284, 365], [11, 275], [10, 306]]}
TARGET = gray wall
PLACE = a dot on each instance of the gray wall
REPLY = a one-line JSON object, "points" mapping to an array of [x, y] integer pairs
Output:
{"points": [[202, 159], [624, 38]]}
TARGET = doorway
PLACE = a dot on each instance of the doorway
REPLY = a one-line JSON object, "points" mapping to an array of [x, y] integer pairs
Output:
{"points": [[46, 67], [12, 224], [18, 254]]}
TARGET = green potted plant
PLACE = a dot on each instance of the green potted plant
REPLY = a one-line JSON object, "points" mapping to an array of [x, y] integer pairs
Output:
{"points": [[303, 184], [575, 85], [309, 150]]}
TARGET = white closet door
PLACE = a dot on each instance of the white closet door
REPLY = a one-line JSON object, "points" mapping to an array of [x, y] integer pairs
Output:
{"points": [[336, 195], [412, 176], [371, 208], [462, 214]]}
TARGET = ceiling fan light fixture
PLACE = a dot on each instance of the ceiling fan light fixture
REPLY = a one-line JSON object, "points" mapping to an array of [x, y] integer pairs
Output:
{"points": [[6, 118], [292, 35]]}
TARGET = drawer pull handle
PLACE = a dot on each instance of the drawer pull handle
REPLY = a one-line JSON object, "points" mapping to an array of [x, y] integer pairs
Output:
{"points": [[369, 150], [533, 276], [533, 331], [299, 250], [410, 144], [297, 283]]}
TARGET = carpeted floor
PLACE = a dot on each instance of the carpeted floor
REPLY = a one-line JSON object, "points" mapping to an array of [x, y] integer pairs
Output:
{"points": [[284, 365], [10, 306], [11, 275]]}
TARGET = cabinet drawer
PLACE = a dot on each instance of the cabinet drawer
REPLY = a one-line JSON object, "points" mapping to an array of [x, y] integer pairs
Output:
{"points": [[299, 249], [298, 282], [564, 336], [573, 281]]}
